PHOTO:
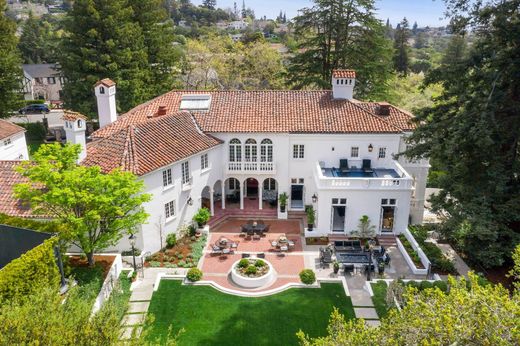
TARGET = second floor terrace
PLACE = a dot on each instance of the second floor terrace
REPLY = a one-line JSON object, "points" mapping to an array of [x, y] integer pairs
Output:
{"points": [[360, 174]]}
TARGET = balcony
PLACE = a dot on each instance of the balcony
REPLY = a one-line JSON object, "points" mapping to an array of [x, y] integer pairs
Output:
{"points": [[251, 167], [387, 178]]}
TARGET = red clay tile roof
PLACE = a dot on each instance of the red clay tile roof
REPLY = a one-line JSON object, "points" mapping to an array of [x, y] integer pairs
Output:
{"points": [[106, 82], [146, 146], [267, 111], [8, 179], [343, 73], [8, 129], [397, 116], [72, 116]]}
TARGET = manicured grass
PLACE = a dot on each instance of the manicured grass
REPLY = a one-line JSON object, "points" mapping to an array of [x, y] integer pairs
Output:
{"points": [[379, 298], [210, 317]]}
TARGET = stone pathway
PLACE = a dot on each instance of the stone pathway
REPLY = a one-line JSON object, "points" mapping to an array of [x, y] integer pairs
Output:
{"points": [[459, 263], [361, 300], [140, 301]]}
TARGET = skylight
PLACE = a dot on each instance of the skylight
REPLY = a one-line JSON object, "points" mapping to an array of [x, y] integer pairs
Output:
{"points": [[195, 102]]}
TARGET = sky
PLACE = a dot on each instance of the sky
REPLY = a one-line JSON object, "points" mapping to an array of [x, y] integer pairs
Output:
{"points": [[425, 12]]}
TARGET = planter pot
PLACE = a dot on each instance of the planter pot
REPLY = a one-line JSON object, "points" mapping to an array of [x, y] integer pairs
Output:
{"points": [[310, 227], [336, 270], [282, 208], [381, 269]]}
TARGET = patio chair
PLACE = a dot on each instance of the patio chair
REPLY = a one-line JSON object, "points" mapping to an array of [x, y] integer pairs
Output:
{"points": [[260, 255], [343, 166], [260, 222], [348, 268], [267, 227], [386, 258], [246, 255], [250, 222], [367, 166], [325, 257]]}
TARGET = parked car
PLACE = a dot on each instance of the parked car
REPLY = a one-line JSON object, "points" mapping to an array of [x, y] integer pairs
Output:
{"points": [[35, 108]]}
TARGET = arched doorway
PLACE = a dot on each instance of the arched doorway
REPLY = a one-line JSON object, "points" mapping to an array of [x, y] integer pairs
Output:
{"points": [[270, 193], [251, 193], [205, 198], [231, 193]]}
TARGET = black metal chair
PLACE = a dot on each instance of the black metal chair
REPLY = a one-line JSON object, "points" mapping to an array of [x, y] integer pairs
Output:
{"points": [[343, 165], [348, 268], [261, 255], [246, 255], [367, 166]]}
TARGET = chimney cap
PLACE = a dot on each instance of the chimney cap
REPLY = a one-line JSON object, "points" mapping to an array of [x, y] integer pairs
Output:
{"points": [[106, 82], [383, 108], [162, 110], [343, 73]]}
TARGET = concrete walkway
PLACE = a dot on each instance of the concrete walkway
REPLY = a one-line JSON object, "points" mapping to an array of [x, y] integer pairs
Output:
{"points": [[459, 263], [361, 300], [142, 291]]}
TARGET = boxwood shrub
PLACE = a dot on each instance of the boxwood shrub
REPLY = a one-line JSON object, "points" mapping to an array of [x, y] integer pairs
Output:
{"points": [[425, 285], [194, 274], [307, 276]]}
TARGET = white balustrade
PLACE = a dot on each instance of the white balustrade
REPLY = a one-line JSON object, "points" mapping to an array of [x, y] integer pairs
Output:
{"points": [[252, 167]]}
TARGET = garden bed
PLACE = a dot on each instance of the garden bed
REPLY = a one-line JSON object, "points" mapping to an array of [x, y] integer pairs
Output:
{"points": [[317, 241], [184, 254], [414, 256]]}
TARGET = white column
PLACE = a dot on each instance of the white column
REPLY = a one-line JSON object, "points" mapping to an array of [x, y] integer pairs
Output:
{"points": [[242, 185], [223, 194], [260, 193], [211, 207]]}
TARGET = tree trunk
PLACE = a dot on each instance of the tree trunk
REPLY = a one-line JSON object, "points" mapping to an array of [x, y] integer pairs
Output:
{"points": [[90, 258]]}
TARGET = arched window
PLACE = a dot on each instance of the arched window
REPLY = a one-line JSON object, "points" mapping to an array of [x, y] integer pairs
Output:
{"points": [[266, 151], [80, 123], [269, 184], [250, 150], [101, 90], [235, 150]]}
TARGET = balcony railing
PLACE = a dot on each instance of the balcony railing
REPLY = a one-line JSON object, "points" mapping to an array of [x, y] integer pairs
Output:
{"points": [[251, 167], [402, 182]]}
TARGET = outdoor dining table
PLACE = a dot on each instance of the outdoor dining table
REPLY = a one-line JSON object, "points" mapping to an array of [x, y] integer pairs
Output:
{"points": [[258, 228]]}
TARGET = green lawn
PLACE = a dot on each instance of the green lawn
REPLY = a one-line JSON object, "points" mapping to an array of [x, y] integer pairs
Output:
{"points": [[379, 298], [210, 317]]}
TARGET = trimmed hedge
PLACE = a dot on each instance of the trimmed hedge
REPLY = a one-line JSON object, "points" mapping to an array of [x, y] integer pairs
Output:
{"points": [[41, 226], [307, 276], [31, 272], [194, 274]]}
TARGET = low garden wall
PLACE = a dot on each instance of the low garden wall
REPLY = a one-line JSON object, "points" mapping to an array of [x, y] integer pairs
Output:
{"points": [[110, 281], [424, 260]]}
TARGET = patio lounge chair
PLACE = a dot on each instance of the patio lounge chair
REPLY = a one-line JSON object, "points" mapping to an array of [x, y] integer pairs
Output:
{"points": [[246, 255], [343, 166], [367, 166], [325, 257]]}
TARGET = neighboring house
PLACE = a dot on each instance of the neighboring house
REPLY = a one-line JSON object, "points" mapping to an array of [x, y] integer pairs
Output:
{"points": [[42, 81], [238, 25], [12, 142], [237, 151]]}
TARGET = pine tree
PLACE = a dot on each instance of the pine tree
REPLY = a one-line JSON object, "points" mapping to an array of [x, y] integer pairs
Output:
{"points": [[414, 28], [389, 31], [401, 59], [10, 71], [284, 18], [244, 11], [341, 34], [210, 4], [38, 43]]}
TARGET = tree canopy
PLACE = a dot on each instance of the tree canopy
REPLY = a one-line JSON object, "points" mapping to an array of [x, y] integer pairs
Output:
{"points": [[401, 37], [473, 130], [98, 209], [341, 34]]}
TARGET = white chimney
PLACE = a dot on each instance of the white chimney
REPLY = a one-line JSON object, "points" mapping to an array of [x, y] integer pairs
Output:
{"points": [[343, 82], [75, 127], [106, 101]]}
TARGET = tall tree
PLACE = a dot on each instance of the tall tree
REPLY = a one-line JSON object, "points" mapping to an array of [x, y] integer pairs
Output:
{"points": [[98, 209], [414, 28], [104, 41], [341, 34], [10, 70], [389, 31], [401, 46], [473, 129], [38, 41], [211, 4]]}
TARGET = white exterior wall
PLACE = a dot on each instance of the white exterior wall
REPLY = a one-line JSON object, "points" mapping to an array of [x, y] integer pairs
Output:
{"points": [[106, 103], [149, 238], [16, 150]]}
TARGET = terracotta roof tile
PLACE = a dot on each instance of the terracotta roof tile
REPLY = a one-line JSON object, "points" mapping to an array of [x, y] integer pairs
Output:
{"points": [[106, 82], [72, 116], [341, 73], [266, 111], [7, 129], [8, 179], [146, 146], [397, 116]]}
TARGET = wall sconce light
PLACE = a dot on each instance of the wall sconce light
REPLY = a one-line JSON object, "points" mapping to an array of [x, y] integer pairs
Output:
{"points": [[190, 201], [332, 148], [314, 198], [370, 148]]}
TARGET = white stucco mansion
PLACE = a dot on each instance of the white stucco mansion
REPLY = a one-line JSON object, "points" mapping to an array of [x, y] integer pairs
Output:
{"points": [[239, 150]]}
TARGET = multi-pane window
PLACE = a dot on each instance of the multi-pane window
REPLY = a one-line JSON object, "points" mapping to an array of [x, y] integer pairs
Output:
{"points": [[354, 152], [266, 151], [204, 161], [167, 177], [185, 169], [51, 80], [298, 151], [7, 141], [235, 151], [382, 153], [169, 210], [269, 184], [339, 201], [250, 150], [388, 201], [233, 184]]}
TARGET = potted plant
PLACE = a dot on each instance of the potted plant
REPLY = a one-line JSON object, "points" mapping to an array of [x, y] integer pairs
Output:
{"points": [[311, 217], [134, 276], [282, 199], [202, 217], [381, 267], [335, 266]]}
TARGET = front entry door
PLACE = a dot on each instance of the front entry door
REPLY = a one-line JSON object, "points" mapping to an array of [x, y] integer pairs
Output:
{"points": [[297, 196]]}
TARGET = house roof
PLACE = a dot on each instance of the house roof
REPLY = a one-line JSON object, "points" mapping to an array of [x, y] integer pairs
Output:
{"points": [[340, 73], [106, 82], [41, 70], [9, 177], [397, 116], [146, 146], [7, 129], [270, 111], [72, 116]]}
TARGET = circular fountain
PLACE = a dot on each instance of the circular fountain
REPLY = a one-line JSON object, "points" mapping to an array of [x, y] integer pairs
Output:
{"points": [[243, 277]]}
